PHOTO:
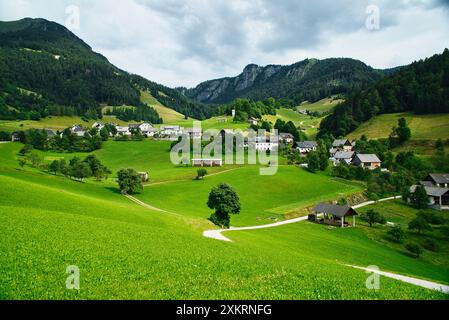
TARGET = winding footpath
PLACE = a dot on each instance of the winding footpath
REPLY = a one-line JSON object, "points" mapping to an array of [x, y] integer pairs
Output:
{"points": [[417, 282]]}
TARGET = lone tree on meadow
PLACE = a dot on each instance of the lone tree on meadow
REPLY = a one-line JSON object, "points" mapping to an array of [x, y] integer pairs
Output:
{"points": [[201, 173], [373, 217], [225, 201], [129, 181]]}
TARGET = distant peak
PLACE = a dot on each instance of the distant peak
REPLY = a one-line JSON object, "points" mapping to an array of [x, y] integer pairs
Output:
{"points": [[251, 67]]}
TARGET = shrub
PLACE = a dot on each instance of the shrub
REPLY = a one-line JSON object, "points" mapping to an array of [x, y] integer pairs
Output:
{"points": [[431, 244], [432, 217], [397, 233], [414, 248], [373, 217], [419, 224]]}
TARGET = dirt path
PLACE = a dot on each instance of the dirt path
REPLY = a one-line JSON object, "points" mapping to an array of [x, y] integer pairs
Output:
{"points": [[417, 282]]}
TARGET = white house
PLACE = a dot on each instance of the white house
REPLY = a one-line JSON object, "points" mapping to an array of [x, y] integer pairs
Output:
{"points": [[145, 127], [123, 131], [194, 133], [98, 125], [306, 146], [265, 144], [171, 130], [78, 130], [342, 145], [343, 156], [253, 121], [286, 138]]}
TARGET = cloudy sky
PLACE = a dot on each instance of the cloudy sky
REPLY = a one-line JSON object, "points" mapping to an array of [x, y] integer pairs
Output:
{"points": [[182, 43]]}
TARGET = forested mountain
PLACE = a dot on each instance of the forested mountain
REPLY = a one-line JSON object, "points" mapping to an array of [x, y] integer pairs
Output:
{"points": [[310, 80], [422, 88], [47, 70]]}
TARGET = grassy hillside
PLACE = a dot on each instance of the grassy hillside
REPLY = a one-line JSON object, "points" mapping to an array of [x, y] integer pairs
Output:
{"points": [[321, 106], [423, 127], [308, 123], [125, 251], [52, 122], [167, 114]]}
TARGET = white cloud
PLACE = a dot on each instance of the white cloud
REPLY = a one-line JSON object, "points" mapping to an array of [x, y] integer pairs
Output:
{"points": [[181, 43]]}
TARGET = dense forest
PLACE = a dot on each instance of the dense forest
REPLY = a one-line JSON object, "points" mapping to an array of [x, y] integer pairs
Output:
{"points": [[422, 88], [308, 80], [46, 70]]}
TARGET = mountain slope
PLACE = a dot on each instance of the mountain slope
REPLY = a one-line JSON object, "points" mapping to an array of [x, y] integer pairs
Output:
{"points": [[422, 88], [310, 80], [61, 75]]}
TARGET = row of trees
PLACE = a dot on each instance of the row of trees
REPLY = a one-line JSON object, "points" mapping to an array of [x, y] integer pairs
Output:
{"points": [[65, 141]]}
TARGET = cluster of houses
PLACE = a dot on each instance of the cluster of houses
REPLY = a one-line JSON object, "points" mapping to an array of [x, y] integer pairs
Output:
{"points": [[342, 151]]}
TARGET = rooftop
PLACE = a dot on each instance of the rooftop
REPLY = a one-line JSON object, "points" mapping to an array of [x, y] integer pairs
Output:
{"points": [[338, 211]]}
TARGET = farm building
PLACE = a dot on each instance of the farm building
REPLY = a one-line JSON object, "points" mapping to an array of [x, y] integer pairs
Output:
{"points": [[15, 137], [171, 130], [78, 130], [286, 138], [438, 179], [333, 215], [369, 161], [253, 121], [343, 157], [438, 197], [207, 162], [342, 145], [306, 146], [123, 131], [194, 133]]}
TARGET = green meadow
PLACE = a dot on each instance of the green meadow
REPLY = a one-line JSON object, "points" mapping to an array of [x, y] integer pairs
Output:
{"points": [[264, 199], [125, 251], [424, 127]]}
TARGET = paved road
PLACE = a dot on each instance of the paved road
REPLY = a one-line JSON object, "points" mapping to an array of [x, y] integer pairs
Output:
{"points": [[217, 234], [418, 282]]}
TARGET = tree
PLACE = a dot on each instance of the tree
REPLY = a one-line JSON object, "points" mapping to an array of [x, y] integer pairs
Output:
{"points": [[401, 133], [225, 201], [54, 166], [313, 162], [419, 224], [35, 160], [439, 146], [323, 155], [373, 217], [22, 162], [104, 134], [397, 233], [419, 199], [414, 249], [201, 173], [129, 181], [80, 170]]}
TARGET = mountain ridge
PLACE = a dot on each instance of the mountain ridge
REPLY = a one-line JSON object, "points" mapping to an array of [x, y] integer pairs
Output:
{"points": [[309, 79]]}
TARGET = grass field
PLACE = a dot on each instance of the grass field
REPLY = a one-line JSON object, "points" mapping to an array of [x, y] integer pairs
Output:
{"points": [[168, 115], [424, 127], [54, 123], [310, 124], [264, 198], [324, 105], [125, 251]]}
